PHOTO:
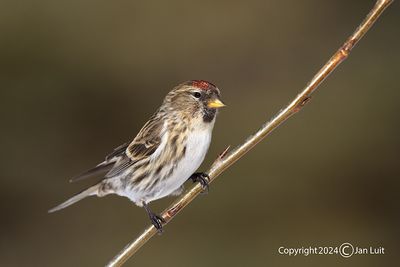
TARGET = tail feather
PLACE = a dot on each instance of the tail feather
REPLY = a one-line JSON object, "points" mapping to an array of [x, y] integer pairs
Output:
{"points": [[85, 193]]}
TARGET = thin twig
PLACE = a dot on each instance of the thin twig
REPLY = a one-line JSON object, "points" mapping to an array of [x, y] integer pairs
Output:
{"points": [[225, 160]]}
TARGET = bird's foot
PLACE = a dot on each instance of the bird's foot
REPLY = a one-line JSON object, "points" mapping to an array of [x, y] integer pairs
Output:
{"points": [[203, 179], [155, 219]]}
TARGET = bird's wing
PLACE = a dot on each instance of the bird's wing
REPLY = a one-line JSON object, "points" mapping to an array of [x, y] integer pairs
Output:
{"points": [[104, 166], [147, 140], [144, 145], [138, 150]]}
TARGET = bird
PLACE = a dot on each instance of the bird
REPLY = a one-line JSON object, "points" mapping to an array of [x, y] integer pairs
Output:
{"points": [[165, 153]]}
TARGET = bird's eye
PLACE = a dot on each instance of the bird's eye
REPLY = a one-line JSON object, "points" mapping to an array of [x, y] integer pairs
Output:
{"points": [[196, 94]]}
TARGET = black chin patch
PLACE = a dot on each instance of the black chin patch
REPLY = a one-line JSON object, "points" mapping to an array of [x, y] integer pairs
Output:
{"points": [[209, 114]]}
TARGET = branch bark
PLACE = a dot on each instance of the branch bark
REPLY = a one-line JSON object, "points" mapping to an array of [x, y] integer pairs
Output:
{"points": [[225, 160]]}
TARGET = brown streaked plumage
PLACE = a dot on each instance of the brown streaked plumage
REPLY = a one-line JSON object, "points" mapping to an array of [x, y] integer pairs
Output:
{"points": [[164, 154]]}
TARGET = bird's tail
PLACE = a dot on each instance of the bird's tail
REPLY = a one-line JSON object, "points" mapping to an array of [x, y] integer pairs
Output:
{"points": [[85, 193]]}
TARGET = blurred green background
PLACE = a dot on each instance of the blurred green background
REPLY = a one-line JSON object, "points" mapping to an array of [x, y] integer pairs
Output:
{"points": [[79, 78]]}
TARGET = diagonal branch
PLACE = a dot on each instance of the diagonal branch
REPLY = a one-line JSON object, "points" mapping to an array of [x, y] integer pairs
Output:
{"points": [[225, 160]]}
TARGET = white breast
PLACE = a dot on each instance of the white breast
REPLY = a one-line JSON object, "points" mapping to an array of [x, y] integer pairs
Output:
{"points": [[197, 145]]}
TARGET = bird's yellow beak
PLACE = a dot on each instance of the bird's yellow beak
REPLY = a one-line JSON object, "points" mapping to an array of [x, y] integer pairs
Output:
{"points": [[215, 103]]}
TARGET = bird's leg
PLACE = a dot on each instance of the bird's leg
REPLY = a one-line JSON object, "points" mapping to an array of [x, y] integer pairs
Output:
{"points": [[155, 219], [202, 178]]}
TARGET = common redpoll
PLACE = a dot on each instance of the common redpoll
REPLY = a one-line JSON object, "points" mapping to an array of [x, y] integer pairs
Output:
{"points": [[165, 153]]}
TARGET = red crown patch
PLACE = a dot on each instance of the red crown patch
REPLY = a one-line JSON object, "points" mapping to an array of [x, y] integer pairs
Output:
{"points": [[204, 85]]}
